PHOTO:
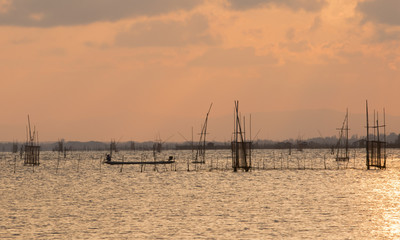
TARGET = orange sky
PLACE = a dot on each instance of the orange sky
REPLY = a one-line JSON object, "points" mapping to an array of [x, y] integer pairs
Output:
{"points": [[130, 70]]}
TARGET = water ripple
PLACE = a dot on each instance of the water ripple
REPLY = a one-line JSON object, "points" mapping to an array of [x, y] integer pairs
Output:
{"points": [[102, 202]]}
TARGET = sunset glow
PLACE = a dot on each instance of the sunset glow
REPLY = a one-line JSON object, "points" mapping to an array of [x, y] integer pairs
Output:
{"points": [[95, 70]]}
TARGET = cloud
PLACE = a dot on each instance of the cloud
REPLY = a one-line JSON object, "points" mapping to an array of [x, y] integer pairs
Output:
{"points": [[316, 24], [296, 46], [381, 11], [5, 6], [50, 13], [233, 57], [20, 41], [158, 33], [307, 5], [384, 35]]}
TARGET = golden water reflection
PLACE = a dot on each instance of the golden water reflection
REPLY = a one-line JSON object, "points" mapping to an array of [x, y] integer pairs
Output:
{"points": [[104, 202]]}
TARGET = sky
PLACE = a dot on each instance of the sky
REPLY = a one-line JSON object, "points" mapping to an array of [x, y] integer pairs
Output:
{"points": [[137, 70]]}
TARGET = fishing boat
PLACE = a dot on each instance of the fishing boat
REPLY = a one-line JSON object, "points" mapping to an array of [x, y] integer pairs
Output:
{"points": [[169, 161]]}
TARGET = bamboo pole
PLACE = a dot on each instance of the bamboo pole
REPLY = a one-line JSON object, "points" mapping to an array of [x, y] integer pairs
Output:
{"points": [[15, 162], [122, 165], [287, 162], [384, 135], [263, 162], [273, 159], [367, 142], [58, 162], [298, 163], [79, 158]]}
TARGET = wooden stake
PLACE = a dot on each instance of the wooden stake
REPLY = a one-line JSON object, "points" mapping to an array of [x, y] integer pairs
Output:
{"points": [[122, 165], [287, 162], [15, 162], [298, 163], [367, 142], [79, 158], [58, 162]]}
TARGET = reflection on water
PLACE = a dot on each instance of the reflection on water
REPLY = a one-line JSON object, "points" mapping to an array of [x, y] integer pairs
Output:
{"points": [[305, 197]]}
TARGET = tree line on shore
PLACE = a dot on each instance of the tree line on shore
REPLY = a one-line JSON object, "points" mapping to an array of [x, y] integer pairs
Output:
{"points": [[393, 141]]}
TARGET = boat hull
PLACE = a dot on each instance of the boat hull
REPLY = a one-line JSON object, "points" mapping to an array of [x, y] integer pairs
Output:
{"points": [[139, 163]]}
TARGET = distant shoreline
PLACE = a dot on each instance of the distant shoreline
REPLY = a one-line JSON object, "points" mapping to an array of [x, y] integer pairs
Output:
{"points": [[393, 141]]}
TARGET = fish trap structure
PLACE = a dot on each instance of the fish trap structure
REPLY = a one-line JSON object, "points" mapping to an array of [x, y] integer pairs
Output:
{"points": [[60, 148], [132, 146], [158, 146], [376, 141], [14, 147], [342, 146], [31, 148], [113, 146], [241, 148], [201, 147]]}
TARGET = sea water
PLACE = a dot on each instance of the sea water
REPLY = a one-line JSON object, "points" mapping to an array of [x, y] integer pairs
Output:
{"points": [[305, 195]]}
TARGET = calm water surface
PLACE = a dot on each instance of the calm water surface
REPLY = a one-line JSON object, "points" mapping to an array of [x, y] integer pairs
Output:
{"points": [[301, 196]]}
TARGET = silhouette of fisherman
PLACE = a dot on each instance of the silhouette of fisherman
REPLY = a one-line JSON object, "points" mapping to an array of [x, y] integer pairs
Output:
{"points": [[108, 158]]}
